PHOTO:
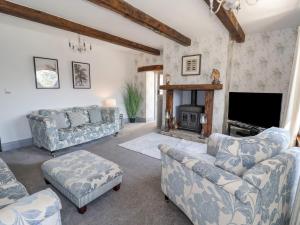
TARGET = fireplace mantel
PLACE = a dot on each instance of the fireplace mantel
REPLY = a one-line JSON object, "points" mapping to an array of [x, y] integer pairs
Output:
{"points": [[190, 87], [209, 99]]}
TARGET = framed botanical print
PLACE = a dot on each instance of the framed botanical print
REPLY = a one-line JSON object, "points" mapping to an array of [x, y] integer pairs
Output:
{"points": [[81, 75], [46, 73], [191, 65]]}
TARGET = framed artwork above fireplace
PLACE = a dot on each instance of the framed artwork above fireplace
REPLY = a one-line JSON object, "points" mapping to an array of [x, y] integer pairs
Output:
{"points": [[191, 65]]}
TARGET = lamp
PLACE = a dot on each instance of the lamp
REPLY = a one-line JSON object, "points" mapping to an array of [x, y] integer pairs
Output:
{"points": [[203, 121], [110, 102]]}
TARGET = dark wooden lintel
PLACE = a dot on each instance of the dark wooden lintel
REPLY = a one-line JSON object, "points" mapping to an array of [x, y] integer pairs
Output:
{"points": [[230, 22], [189, 87], [134, 14], [150, 68]]}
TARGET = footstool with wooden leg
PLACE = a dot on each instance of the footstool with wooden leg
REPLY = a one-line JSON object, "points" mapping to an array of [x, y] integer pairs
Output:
{"points": [[82, 176]]}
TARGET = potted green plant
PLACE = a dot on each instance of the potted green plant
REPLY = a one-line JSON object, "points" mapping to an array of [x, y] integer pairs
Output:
{"points": [[132, 100]]}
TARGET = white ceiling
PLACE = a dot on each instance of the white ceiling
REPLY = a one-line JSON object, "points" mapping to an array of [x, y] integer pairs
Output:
{"points": [[269, 15], [190, 17]]}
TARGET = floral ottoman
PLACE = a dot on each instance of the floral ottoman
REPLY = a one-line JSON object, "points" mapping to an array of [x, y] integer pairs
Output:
{"points": [[82, 176]]}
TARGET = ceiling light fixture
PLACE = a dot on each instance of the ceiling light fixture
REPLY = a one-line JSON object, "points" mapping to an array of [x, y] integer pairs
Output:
{"points": [[80, 46], [229, 4]]}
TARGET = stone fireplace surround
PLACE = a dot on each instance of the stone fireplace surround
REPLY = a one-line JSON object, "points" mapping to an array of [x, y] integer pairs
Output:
{"points": [[209, 90]]}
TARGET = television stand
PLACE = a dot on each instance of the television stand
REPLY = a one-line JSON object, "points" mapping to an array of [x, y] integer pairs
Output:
{"points": [[243, 129]]}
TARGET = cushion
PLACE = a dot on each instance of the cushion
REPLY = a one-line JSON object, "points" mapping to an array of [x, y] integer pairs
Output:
{"points": [[95, 115], [51, 112], [237, 155], [60, 120], [76, 118]]}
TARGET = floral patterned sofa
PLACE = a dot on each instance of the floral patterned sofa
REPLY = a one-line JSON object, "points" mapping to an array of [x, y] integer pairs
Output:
{"points": [[17, 207], [239, 181], [46, 134]]}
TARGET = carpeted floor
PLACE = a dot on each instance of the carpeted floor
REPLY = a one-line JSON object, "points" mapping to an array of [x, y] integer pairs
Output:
{"points": [[139, 201]]}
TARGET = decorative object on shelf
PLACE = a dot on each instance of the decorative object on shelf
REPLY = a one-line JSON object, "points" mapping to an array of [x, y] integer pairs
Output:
{"points": [[203, 122], [132, 100], [46, 73], [80, 45], [110, 102], [229, 5], [191, 65], [81, 75], [168, 79], [215, 76]]}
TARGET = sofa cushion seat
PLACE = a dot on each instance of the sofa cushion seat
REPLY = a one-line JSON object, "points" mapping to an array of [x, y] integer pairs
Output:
{"points": [[72, 132], [11, 192]]}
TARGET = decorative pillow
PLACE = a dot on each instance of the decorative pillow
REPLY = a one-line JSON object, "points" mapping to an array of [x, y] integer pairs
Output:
{"points": [[237, 155], [60, 120], [84, 113], [95, 115], [76, 118], [51, 112]]}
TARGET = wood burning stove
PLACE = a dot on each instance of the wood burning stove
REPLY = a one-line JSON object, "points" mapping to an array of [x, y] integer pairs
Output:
{"points": [[189, 115]]}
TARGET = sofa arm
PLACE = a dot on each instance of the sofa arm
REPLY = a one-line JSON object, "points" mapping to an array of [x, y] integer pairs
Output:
{"points": [[260, 174], [231, 183], [44, 131], [213, 143], [111, 115], [31, 209]]}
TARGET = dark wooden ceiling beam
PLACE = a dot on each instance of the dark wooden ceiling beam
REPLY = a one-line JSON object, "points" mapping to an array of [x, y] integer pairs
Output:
{"points": [[54, 21], [150, 68], [230, 22], [125, 9]]}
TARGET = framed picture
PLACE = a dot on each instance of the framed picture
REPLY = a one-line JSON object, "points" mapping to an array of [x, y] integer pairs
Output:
{"points": [[191, 65], [81, 75], [46, 73]]}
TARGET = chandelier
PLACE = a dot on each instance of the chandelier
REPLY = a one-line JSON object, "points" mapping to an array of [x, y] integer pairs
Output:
{"points": [[229, 4], [80, 45]]}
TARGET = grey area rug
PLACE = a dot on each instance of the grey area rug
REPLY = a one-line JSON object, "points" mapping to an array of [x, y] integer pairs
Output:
{"points": [[148, 145], [140, 200]]}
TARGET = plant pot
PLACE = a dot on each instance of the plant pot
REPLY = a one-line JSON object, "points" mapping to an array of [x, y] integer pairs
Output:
{"points": [[132, 120]]}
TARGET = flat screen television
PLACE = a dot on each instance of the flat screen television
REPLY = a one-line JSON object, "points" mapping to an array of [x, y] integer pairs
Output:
{"points": [[257, 109]]}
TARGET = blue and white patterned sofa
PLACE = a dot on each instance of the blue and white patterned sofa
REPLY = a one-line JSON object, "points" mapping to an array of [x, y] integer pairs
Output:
{"points": [[245, 181], [46, 134], [17, 207]]}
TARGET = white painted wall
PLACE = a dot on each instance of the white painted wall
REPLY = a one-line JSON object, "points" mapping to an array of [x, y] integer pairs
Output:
{"points": [[20, 40]]}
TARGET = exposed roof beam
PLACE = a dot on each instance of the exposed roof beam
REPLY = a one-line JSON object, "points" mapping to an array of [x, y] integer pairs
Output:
{"points": [[54, 21], [125, 9], [230, 22], [151, 68]]}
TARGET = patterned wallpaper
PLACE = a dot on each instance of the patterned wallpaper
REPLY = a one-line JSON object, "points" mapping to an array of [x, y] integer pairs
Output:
{"points": [[264, 62], [261, 64], [214, 55]]}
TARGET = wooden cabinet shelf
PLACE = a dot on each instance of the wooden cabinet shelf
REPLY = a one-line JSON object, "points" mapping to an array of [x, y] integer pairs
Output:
{"points": [[298, 140], [190, 87]]}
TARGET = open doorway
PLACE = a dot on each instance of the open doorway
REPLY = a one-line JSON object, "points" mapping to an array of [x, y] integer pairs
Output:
{"points": [[154, 97]]}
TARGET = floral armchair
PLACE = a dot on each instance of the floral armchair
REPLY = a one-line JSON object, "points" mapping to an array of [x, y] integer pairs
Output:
{"points": [[17, 207], [248, 180]]}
